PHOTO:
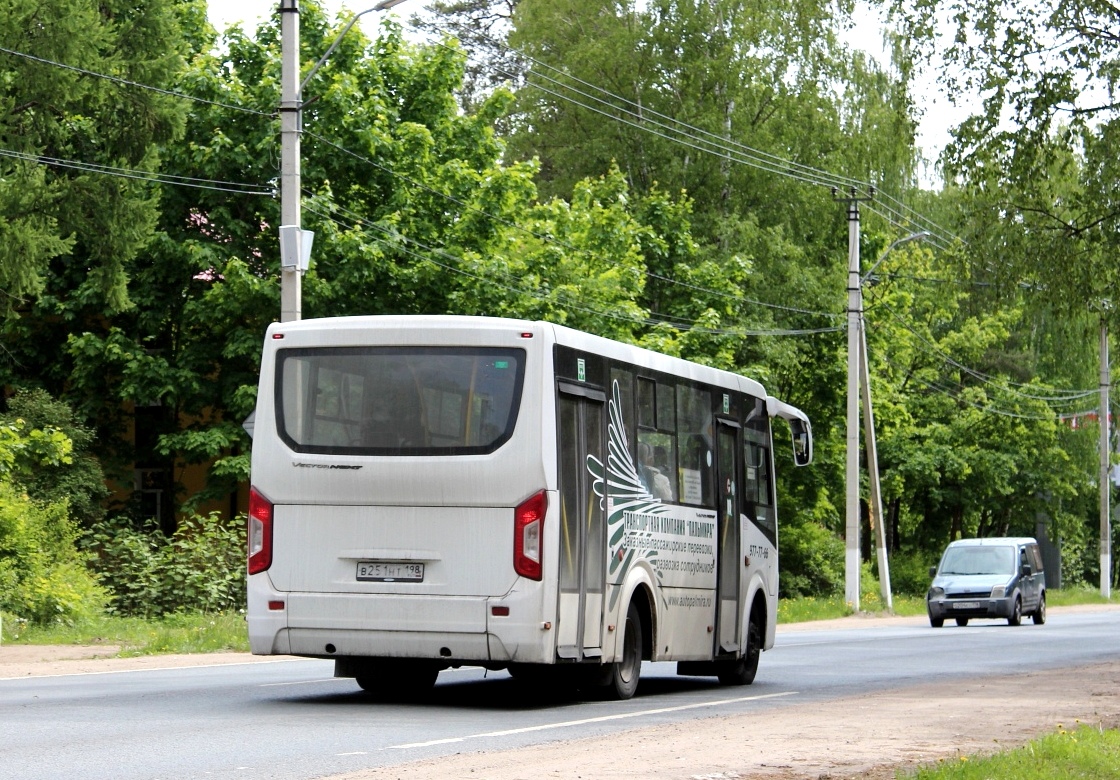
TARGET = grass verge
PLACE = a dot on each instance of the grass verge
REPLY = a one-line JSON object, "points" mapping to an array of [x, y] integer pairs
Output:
{"points": [[1082, 752], [178, 633], [808, 608]]}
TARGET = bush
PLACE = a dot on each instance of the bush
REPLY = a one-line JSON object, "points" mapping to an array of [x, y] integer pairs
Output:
{"points": [[78, 478], [811, 560], [43, 577], [910, 571], [201, 568]]}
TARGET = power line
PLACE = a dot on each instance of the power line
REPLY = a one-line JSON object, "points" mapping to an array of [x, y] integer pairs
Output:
{"points": [[554, 240], [1059, 396], [126, 82], [239, 188], [948, 393], [454, 265], [893, 210]]}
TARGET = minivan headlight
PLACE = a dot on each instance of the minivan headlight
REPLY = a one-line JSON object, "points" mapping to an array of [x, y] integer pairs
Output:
{"points": [[998, 591], [936, 593]]}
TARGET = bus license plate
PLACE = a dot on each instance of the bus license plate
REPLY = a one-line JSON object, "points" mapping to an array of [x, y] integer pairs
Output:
{"points": [[390, 571]]}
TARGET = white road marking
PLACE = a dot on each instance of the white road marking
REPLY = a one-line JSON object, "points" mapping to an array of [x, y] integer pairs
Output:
{"points": [[584, 721], [302, 682]]}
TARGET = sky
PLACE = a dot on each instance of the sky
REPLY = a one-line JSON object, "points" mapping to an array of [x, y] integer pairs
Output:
{"points": [[933, 128]]}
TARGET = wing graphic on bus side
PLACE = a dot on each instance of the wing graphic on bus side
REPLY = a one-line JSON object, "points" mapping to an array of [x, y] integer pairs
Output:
{"points": [[621, 493]]}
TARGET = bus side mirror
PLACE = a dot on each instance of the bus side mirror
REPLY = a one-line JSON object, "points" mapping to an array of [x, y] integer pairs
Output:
{"points": [[802, 442]]}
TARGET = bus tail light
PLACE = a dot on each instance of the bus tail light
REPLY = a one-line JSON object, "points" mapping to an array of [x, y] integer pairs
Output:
{"points": [[260, 532], [528, 525]]}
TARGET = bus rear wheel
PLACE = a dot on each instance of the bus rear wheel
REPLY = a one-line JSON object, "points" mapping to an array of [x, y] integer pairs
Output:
{"points": [[623, 676], [743, 670]]}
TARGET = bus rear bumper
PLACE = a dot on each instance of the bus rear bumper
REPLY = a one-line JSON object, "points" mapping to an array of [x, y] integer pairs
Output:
{"points": [[452, 629]]}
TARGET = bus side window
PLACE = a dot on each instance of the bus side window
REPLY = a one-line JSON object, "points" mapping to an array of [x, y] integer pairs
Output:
{"points": [[656, 463], [694, 446], [758, 474], [625, 381], [646, 403]]}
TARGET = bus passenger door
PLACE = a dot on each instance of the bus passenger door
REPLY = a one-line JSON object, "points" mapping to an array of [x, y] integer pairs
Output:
{"points": [[727, 526], [582, 526]]}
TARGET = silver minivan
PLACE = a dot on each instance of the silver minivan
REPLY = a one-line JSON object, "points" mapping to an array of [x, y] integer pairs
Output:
{"points": [[998, 577]]}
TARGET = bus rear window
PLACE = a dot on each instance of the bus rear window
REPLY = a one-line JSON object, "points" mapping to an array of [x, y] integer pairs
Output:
{"points": [[398, 400]]}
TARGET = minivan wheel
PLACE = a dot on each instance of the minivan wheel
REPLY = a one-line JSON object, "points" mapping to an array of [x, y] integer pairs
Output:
{"points": [[962, 621], [1039, 616], [1016, 616], [936, 622]]}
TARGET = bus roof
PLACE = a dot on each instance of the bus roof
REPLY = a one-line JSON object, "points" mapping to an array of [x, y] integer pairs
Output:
{"points": [[351, 329]]}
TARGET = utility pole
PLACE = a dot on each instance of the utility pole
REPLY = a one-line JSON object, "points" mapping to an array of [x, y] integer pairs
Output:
{"points": [[851, 471], [1106, 482], [291, 116], [295, 242]]}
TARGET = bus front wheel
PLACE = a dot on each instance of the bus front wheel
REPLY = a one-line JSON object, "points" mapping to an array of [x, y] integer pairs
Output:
{"points": [[742, 670], [624, 674]]}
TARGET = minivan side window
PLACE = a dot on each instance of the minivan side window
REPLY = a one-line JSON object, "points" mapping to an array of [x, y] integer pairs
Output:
{"points": [[1034, 558]]}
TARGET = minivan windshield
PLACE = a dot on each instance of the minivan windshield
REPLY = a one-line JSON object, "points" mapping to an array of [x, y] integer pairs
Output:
{"points": [[979, 560], [398, 400]]}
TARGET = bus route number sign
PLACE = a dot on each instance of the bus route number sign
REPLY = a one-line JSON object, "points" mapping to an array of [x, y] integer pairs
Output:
{"points": [[390, 571]]}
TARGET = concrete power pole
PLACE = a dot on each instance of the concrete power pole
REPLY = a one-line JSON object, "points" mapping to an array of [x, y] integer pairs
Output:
{"points": [[851, 470], [291, 298], [295, 242], [1106, 482]]}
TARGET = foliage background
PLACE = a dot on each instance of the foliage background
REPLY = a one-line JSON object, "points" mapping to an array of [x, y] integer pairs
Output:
{"points": [[660, 173]]}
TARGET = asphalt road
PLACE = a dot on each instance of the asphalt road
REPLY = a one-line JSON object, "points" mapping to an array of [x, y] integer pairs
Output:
{"points": [[290, 720]]}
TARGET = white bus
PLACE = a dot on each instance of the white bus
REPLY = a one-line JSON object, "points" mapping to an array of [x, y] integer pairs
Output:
{"points": [[436, 491]]}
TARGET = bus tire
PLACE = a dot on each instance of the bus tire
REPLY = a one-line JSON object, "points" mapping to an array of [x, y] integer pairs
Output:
{"points": [[623, 676], [742, 670]]}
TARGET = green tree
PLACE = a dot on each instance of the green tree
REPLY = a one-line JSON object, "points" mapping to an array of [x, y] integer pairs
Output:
{"points": [[1039, 155], [68, 230]]}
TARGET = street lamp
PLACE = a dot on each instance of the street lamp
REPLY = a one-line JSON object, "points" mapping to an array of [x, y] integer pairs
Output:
{"points": [[897, 242], [295, 242]]}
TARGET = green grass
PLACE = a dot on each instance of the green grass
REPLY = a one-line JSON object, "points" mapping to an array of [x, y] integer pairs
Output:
{"points": [[1083, 752], [1083, 594], [180, 633], [808, 608]]}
